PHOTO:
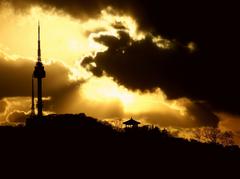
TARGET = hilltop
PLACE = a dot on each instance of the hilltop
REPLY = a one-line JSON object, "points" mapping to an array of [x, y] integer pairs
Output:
{"points": [[63, 139]]}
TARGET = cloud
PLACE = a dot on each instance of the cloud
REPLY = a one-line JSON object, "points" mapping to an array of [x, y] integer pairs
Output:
{"points": [[177, 70], [16, 75], [15, 82], [229, 122], [201, 114], [211, 74], [3, 105], [17, 117], [195, 115], [183, 20], [143, 65], [74, 7]]}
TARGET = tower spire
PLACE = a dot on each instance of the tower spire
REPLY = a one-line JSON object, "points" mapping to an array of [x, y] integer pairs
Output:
{"points": [[39, 42]]}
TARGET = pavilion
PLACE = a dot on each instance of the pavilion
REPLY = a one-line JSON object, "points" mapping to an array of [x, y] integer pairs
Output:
{"points": [[131, 123]]}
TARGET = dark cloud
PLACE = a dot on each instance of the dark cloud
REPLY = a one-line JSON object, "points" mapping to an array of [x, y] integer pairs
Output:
{"points": [[17, 117], [143, 65], [15, 81], [118, 25], [201, 115], [197, 20], [178, 71], [15, 77]]}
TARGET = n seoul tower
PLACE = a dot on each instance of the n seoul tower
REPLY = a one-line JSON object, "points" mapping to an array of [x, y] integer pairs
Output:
{"points": [[39, 73]]}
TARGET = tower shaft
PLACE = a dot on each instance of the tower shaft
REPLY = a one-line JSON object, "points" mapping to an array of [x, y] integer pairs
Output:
{"points": [[40, 103], [33, 107]]}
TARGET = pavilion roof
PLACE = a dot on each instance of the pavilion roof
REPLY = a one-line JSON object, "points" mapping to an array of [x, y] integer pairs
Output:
{"points": [[131, 122]]}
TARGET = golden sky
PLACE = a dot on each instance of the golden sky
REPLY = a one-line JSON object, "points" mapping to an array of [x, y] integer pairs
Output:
{"points": [[68, 40]]}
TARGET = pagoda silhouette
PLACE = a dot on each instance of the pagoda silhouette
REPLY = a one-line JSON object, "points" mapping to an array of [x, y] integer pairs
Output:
{"points": [[131, 123]]}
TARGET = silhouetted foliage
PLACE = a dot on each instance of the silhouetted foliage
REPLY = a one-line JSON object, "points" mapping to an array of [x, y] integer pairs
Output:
{"points": [[213, 135], [63, 139]]}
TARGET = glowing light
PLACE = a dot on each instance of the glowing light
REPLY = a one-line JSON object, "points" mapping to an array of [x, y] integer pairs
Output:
{"points": [[191, 46], [126, 21], [105, 89], [161, 43], [74, 45]]}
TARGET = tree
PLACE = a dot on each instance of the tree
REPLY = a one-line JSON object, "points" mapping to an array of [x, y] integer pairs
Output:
{"points": [[197, 134], [226, 138], [211, 134]]}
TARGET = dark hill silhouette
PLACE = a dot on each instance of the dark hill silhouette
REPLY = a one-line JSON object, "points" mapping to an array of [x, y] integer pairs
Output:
{"points": [[81, 143]]}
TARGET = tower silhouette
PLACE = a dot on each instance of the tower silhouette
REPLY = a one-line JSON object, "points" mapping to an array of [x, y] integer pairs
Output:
{"points": [[39, 73], [33, 106]]}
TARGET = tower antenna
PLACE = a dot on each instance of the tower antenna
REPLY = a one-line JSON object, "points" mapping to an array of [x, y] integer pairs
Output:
{"points": [[39, 42]]}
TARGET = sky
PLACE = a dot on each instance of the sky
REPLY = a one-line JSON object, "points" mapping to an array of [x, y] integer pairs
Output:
{"points": [[170, 64]]}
